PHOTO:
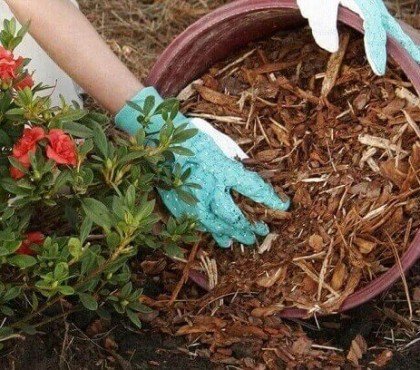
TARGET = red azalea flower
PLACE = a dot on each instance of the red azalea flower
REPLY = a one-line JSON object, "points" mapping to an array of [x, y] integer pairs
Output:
{"points": [[35, 237], [27, 81], [8, 64], [25, 146], [27, 143], [62, 148]]}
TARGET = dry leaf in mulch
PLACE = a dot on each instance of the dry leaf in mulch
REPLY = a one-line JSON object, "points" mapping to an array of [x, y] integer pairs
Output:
{"points": [[383, 358]]}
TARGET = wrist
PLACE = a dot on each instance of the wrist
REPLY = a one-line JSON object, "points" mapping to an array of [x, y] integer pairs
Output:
{"points": [[126, 118]]}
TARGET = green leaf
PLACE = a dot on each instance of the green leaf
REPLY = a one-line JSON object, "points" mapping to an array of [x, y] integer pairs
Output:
{"points": [[126, 289], [174, 251], [85, 148], [15, 112], [89, 261], [9, 247], [77, 130], [131, 157], [75, 248], [149, 104], [97, 212], [131, 196], [12, 293], [100, 140], [70, 116], [85, 229], [113, 240], [140, 307], [6, 310], [100, 118], [30, 330], [168, 108], [145, 210], [66, 290], [62, 179], [186, 174], [135, 106], [187, 197], [134, 318], [184, 135], [15, 163], [5, 101], [88, 301], [182, 151], [22, 261], [24, 29], [5, 331], [140, 136], [13, 187], [61, 271], [35, 302]]}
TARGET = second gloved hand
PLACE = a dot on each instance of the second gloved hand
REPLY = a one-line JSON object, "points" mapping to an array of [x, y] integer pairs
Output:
{"points": [[378, 25], [214, 169]]}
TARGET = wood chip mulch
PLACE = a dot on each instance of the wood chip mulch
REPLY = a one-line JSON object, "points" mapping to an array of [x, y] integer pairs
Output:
{"points": [[344, 145]]}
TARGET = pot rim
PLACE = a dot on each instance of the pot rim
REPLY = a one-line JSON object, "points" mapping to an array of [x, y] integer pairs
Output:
{"points": [[409, 66]]}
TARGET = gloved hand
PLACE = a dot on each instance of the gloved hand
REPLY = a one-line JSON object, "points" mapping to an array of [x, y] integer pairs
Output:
{"points": [[215, 170], [378, 24]]}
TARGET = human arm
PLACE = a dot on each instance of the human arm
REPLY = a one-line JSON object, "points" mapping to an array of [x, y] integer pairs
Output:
{"points": [[73, 43]]}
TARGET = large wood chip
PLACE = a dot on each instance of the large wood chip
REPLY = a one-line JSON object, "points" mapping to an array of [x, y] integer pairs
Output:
{"points": [[379, 142], [284, 83], [267, 243], [316, 242], [267, 311], [357, 350], [272, 277], [365, 246], [334, 66], [383, 358], [202, 324], [302, 346], [275, 67], [215, 97], [403, 93], [412, 123], [339, 277]]}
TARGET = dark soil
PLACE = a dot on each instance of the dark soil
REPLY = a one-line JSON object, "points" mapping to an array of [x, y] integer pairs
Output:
{"points": [[67, 347]]}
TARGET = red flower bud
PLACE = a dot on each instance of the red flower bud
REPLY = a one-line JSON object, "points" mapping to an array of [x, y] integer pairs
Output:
{"points": [[35, 237], [27, 81]]}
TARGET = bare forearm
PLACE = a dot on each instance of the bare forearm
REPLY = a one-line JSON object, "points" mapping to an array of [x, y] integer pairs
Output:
{"points": [[71, 41]]}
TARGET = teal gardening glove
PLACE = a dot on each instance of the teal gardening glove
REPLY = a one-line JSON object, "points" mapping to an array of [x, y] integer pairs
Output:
{"points": [[217, 174], [377, 21]]}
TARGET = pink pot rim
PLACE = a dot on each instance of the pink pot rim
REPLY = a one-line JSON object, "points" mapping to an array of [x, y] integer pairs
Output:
{"points": [[410, 67]]}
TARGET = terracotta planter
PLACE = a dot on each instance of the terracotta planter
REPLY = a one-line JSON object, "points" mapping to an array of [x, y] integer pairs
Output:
{"points": [[219, 34]]}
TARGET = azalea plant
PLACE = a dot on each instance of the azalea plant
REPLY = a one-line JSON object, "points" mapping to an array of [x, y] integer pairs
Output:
{"points": [[76, 203]]}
